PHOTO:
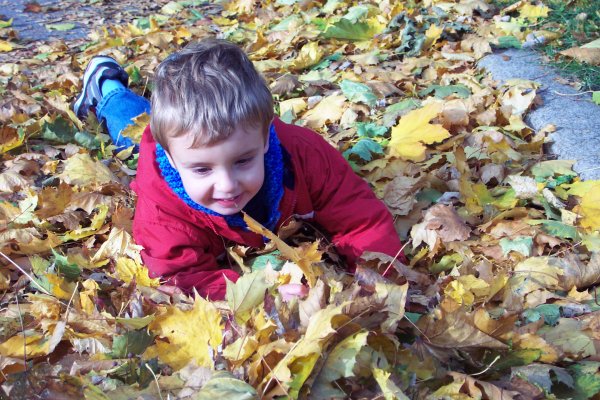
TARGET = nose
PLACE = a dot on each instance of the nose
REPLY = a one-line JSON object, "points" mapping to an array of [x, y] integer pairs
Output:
{"points": [[226, 182]]}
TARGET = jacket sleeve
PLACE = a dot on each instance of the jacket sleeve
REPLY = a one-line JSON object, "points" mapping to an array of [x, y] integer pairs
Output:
{"points": [[182, 257], [346, 206]]}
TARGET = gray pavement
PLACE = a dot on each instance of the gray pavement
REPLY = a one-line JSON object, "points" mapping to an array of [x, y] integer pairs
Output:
{"points": [[86, 15], [575, 116]]}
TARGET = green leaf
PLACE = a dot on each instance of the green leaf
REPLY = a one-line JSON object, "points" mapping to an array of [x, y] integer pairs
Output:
{"points": [[587, 379], [391, 113], [363, 149], [244, 295], [135, 75], [356, 13], [261, 261], [441, 92], [6, 24], [134, 342], [358, 92], [517, 358], [68, 270], [370, 130], [550, 312], [591, 241], [596, 97], [505, 42], [556, 228], [223, 385], [521, 244], [447, 262], [339, 364], [345, 29], [60, 27], [87, 140], [547, 169], [539, 374], [60, 131]]}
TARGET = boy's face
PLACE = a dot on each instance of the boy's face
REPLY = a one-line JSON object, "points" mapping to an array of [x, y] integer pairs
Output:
{"points": [[223, 176]]}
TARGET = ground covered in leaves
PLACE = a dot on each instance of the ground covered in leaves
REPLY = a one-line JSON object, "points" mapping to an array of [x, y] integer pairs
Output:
{"points": [[498, 300]]}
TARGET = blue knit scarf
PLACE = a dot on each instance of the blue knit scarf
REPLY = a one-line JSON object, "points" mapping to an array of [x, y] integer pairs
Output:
{"points": [[264, 207]]}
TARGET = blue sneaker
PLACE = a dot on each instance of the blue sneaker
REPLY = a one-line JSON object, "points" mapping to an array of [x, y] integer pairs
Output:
{"points": [[97, 71]]}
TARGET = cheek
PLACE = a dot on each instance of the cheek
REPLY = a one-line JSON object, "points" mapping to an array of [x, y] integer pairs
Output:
{"points": [[197, 189]]}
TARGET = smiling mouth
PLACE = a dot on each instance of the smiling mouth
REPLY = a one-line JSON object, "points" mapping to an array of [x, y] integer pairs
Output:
{"points": [[230, 201]]}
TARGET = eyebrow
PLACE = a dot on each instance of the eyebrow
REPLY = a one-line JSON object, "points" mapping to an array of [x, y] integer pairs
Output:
{"points": [[204, 164]]}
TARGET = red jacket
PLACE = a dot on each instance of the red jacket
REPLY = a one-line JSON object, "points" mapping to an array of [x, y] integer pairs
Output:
{"points": [[182, 245]]}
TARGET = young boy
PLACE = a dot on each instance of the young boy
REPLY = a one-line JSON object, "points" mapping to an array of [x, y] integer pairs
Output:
{"points": [[213, 149]]}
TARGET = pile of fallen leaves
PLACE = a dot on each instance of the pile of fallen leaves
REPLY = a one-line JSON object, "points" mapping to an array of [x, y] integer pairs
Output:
{"points": [[498, 301]]}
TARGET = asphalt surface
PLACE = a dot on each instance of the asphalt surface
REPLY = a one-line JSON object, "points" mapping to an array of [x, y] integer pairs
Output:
{"points": [[573, 113]]}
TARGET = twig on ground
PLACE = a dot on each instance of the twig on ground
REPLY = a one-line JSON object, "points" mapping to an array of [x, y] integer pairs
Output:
{"points": [[488, 367], [26, 274], [69, 304], [23, 332], [396, 257], [155, 380], [572, 94]]}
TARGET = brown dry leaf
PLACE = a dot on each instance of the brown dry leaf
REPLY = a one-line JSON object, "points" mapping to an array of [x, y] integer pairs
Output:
{"points": [[53, 201], [588, 53], [456, 330], [329, 109], [81, 170], [400, 194], [119, 244], [11, 181], [578, 275], [444, 222]]}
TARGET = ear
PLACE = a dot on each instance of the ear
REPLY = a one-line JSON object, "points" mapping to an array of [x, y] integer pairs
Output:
{"points": [[267, 142], [268, 137]]}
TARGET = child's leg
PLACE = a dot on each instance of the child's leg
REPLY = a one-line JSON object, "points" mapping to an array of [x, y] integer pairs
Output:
{"points": [[105, 89], [117, 109]]}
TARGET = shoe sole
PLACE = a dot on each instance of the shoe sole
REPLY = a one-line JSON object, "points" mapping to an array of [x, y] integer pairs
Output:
{"points": [[92, 66]]}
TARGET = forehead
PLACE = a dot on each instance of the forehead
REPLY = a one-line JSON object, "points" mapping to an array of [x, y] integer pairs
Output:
{"points": [[241, 138]]}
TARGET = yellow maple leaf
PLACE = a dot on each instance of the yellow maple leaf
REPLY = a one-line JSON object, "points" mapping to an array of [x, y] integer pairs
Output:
{"points": [[5, 46], [330, 109], [413, 130], [190, 334], [432, 34], [309, 55], [134, 131], [589, 207], [128, 269], [32, 343], [533, 12], [304, 257]]}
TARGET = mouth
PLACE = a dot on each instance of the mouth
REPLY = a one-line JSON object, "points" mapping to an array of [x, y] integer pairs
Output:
{"points": [[229, 202]]}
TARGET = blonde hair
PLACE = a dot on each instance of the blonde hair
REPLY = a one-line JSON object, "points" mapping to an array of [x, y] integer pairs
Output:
{"points": [[208, 89]]}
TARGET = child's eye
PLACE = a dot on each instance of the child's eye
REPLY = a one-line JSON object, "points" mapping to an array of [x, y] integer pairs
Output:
{"points": [[201, 171], [244, 161]]}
